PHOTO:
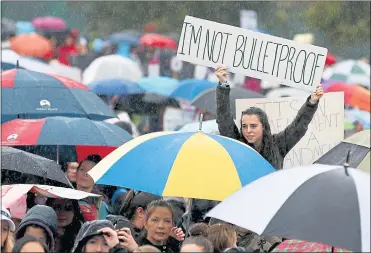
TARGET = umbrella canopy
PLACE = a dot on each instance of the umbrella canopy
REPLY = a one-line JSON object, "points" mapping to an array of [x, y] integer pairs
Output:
{"points": [[24, 27], [303, 246], [207, 99], [354, 95], [26, 163], [11, 58], [112, 66], [190, 88], [350, 71], [315, 203], [64, 131], [115, 87], [359, 147], [161, 85], [32, 44], [158, 41], [194, 165], [29, 94], [124, 37], [49, 23]]}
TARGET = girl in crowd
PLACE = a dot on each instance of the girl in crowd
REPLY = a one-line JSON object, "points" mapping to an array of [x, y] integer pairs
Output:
{"points": [[159, 227], [222, 236], [69, 222], [7, 229], [30, 244], [255, 129], [197, 244]]}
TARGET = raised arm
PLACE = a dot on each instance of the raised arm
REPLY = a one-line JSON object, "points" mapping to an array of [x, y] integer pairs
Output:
{"points": [[224, 117], [293, 133]]}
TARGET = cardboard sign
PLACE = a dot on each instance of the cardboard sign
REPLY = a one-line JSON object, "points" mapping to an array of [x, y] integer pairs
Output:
{"points": [[250, 53], [324, 132]]}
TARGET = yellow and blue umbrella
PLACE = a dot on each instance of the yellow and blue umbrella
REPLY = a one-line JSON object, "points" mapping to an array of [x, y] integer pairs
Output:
{"points": [[191, 165]]}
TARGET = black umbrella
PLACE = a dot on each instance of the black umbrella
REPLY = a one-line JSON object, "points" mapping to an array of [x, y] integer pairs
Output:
{"points": [[207, 99], [18, 166]]}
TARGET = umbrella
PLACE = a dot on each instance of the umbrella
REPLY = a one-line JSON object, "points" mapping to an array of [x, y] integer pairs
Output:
{"points": [[112, 66], [32, 44], [193, 165], [354, 95], [49, 23], [359, 147], [11, 58], [24, 27], [158, 41], [124, 37], [315, 203], [350, 71], [82, 133], [22, 162], [303, 246], [207, 99], [362, 117], [161, 85], [29, 94], [190, 88], [115, 87]]}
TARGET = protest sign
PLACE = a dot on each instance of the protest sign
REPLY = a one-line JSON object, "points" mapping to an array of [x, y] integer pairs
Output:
{"points": [[251, 53], [324, 132]]}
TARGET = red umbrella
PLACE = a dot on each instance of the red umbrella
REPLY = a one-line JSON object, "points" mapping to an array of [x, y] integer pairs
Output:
{"points": [[330, 60], [303, 246], [158, 40], [49, 22]]}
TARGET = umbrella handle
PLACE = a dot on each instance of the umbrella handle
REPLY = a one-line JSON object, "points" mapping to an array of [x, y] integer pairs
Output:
{"points": [[200, 126]]}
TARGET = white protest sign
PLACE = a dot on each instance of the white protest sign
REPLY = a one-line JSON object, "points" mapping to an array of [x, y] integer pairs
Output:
{"points": [[324, 132], [250, 53]]}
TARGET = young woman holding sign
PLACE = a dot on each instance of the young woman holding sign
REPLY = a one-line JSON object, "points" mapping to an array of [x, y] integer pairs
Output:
{"points": [[255, 129]]}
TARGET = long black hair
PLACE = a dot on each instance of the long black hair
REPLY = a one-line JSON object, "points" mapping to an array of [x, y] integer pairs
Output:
{"points": [[268, 148], [71, 230]]}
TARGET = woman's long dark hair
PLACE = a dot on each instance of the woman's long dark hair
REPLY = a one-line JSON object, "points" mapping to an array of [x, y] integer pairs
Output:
{"points": [[268, 148], [71, 230]]}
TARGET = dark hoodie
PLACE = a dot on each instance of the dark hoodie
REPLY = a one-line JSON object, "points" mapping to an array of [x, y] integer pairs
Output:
{"points": [[90, 229], [285, 140], [42, 216], [21, 242]]}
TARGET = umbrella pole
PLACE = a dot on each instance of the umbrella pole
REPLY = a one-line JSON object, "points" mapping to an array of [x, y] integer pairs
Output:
{"points": [[57, 154], [200, 126]]}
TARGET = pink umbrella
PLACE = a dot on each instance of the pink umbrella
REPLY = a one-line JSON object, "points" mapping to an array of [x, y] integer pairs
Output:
{"points": [[49, 22]]}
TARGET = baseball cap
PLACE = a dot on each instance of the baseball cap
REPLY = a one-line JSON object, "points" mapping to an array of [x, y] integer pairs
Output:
{"points": [[5, 215]]}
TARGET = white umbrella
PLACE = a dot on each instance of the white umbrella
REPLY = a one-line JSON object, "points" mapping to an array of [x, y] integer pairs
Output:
{"points": [[112, 66], [316, 203], [11, 57]]}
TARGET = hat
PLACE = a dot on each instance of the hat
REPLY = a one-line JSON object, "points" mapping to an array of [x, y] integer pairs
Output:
{"points": [[5, 215]]}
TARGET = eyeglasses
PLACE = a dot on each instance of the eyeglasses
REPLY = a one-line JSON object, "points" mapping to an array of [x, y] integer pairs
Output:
{"points": [[59, 207]]}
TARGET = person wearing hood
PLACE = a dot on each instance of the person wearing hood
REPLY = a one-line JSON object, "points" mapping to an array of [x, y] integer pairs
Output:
{"points": [[97, 236], [40, 222], [30, 244], [255, 129], [7, 229]]}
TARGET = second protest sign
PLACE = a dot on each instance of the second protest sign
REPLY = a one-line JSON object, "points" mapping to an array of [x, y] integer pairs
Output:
{"points": [[250, 53]]}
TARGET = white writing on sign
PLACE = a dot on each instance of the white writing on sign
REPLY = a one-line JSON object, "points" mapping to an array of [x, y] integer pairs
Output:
{"points": [[250, 53], [324, 132]]}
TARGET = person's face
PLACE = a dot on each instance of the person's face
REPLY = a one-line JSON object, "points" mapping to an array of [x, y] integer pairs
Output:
{"points": [[64, 211], [82, 178], [32, 247], [192, 248], [96, 244], [36, 232], [4, 231], [252, 129], [71, 171], [69, 40], [159, 224]]}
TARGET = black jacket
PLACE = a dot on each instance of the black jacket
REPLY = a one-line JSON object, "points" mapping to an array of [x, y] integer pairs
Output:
{"points": [[172, 245], [285, 140]]}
